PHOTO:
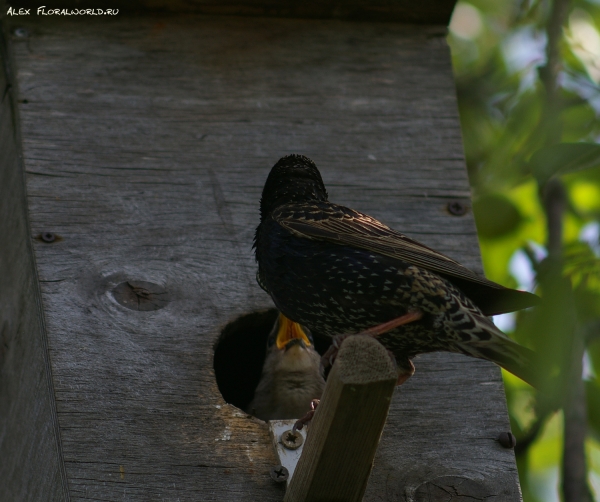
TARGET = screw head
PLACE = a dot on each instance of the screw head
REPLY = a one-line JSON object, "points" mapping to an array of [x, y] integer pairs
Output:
{"points": [[507, 440], [279, 474], [48, 237], [292, 440], [457, 208]]}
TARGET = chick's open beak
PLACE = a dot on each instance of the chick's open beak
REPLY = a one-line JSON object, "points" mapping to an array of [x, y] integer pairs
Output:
{"points": [[288, 331]]}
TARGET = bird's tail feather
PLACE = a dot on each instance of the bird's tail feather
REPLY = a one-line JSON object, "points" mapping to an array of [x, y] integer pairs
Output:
{"points": [[518, 360], [515, 358]]}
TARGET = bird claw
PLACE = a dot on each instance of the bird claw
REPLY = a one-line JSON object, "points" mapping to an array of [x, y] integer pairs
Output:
{"points": [[328, 358], [306, 418], [405, 369]]}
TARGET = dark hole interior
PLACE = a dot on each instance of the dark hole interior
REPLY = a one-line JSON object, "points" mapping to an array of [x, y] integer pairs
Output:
{"points": [[240, 354]]}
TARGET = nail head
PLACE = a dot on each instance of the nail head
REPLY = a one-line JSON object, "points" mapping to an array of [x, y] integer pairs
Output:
{"points": [[457, 208], [48, 237], [507, 440]]}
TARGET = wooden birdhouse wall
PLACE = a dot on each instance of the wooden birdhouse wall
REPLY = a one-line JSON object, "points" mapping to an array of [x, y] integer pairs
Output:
{"points": [[144, 140]]}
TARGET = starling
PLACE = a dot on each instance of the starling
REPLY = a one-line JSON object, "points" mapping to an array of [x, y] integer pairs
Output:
{"points": [[292, 375], [338, 271]]}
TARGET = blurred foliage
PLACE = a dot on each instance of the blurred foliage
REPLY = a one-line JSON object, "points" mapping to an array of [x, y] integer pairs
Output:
{"points": [[563, 158], [514, 143], [496, 215]]}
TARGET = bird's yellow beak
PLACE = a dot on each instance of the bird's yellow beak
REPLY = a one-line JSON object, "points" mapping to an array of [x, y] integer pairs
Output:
{"points": [[288, 330]]}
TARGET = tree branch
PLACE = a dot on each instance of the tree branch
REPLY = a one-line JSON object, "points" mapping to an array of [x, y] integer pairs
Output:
{"points": [[529, 438], [574, 468], [554, 200], [550, 71]]}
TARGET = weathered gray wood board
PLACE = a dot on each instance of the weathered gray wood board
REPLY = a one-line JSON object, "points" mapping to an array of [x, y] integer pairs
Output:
{"points": [[30, 465], [425, 11], [146, 143], [337, 457]]}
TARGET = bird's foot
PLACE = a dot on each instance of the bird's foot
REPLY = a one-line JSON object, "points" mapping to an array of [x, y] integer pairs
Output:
{"points": [[328, 358], [306, 418], [406, 369]]}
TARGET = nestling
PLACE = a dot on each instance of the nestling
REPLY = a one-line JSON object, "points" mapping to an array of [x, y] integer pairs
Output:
{"points": [[292, 375], [338, 271]]}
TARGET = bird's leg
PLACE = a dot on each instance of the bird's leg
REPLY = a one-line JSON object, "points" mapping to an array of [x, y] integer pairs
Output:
{"points": [[406, 368], [380, 329], [329, 357], [306, 418]]}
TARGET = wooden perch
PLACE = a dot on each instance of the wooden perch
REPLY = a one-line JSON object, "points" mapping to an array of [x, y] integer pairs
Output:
{"points": [[344, 434]]}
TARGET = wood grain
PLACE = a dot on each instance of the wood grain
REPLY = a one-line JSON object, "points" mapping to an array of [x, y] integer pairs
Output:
{"points": [[31, 466], [344, 434], [146, 143]]}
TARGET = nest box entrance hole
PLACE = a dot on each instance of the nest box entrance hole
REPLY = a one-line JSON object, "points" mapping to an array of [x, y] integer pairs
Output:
{"points": [[239, 355]]}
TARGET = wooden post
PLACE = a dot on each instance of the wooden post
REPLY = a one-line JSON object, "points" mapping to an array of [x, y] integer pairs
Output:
{"points": [[344, 434], [31, 462]]}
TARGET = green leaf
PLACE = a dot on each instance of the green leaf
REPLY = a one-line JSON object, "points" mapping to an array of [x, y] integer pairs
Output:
{"points": [[593, 353], [562, 159], [549, 329], [592, 392], [582, 267], [496, 216]]}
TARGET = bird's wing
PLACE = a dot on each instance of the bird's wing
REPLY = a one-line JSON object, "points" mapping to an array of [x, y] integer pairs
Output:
{"points": [[344, 226]]}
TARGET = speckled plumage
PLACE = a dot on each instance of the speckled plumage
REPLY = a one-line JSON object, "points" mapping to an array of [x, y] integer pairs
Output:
{"points": [[337, 271]]}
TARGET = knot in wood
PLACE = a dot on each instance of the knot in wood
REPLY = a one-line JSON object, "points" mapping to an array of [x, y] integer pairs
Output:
{"points": [[452, 489], [141, 295]]}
